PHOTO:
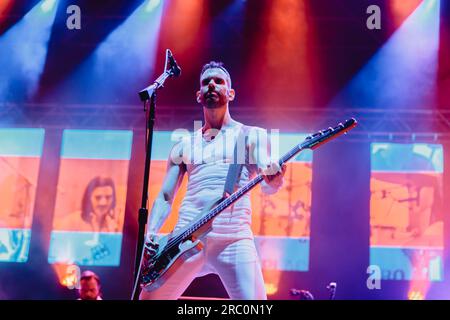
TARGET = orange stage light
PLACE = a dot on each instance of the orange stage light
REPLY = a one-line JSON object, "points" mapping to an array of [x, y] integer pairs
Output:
{"points": [[415, 295], [270, 288], [5, 6], [185, 29], [283, 67], [68, 275]]}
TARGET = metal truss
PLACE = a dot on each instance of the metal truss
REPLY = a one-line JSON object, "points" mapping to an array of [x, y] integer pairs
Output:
{"points": [[415, 125]]}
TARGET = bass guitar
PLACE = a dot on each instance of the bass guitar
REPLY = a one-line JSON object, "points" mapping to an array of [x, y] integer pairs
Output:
{"points": [[173, 249]]}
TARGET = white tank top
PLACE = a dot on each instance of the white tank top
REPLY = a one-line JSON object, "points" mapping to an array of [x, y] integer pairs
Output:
{"points": [[206, 181]]}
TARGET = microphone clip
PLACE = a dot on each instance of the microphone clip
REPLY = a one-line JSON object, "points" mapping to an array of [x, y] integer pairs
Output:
{"points": [[171, 69]]}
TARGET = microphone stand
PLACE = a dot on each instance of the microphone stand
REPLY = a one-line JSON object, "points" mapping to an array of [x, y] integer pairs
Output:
{"points": [[145, 95]]}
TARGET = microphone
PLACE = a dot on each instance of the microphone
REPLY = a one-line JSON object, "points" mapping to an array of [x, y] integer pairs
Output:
{"points": [[174, 67]]}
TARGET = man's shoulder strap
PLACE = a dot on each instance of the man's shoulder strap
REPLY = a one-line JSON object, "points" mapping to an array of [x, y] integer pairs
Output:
{"points": [[234, 172]]}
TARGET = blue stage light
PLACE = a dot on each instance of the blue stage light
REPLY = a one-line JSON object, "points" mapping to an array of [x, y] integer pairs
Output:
{"points": [[402, 74], [23, 51], [48, 5]]}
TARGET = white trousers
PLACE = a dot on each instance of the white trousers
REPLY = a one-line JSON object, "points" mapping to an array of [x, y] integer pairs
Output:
{"points": [[235, 261]]}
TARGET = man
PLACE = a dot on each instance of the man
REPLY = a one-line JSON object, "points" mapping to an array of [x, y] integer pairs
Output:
{"points": [[89, 286], [229, 248]]}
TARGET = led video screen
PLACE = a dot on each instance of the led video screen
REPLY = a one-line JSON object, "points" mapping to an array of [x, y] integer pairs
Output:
{"points": [[406, 211], [20, 155], [90, 201]]}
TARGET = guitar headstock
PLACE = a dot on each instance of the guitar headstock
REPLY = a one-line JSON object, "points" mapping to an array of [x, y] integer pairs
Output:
{"points": [[321, 136]]}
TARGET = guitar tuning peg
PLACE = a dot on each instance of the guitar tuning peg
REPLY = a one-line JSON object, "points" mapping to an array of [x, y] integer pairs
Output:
{"points": [[330, 129]]}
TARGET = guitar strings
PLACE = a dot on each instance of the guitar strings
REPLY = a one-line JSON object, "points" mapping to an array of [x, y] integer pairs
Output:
{"points": [[228, 201]]}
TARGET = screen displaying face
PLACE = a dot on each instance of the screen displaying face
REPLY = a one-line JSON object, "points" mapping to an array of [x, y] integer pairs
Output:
{"points": [[406, 211]]}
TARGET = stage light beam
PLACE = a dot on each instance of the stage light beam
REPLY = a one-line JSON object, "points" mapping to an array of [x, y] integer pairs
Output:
{"points": [[403, 73], [283, 56], [48, 5], [121, 64], [401, 9], [152, 4], [5, 6]]}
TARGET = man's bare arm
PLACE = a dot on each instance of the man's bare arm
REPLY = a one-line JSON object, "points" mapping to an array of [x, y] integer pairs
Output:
{"points": [[163, 202], [260, 153]]}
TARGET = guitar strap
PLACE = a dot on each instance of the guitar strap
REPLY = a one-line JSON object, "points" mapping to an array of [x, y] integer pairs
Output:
{"points": [[234, 172]]}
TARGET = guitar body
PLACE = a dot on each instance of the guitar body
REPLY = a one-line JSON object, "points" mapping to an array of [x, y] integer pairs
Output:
{"points": [[169, 264]]}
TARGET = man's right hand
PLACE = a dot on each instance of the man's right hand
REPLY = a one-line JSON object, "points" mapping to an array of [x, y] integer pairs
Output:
{"points": [[151, 245]]}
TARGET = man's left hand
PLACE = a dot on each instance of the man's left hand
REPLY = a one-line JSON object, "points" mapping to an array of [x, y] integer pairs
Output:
{"points": [[273, 174]]}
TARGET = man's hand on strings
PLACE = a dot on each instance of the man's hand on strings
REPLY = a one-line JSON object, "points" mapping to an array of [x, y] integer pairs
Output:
{"points": [[151, 245], [273, 174]]}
